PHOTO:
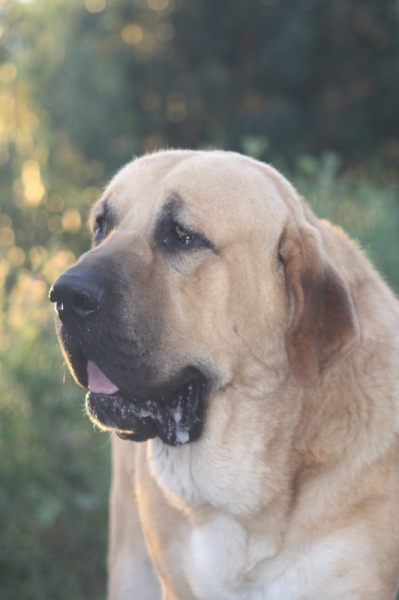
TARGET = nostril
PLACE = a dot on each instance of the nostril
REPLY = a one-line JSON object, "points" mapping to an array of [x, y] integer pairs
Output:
{"points": [[84, 304], [78, 294]]}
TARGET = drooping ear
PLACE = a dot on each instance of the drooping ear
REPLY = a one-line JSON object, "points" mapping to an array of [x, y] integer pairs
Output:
{"points": [[323, 327]]}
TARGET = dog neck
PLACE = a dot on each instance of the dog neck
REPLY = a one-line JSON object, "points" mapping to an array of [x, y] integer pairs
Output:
{"points": [[269, 473], [233, 486]]}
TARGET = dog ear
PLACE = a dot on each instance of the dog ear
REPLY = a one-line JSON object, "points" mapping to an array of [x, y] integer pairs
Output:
{"points": [[323, 327]]}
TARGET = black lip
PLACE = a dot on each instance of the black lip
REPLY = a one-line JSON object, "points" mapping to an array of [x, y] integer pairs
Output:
{"points": [[149, 403], [124, 412], [176, 418]]}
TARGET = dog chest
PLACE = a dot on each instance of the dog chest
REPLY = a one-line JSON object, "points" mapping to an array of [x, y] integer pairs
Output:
{"points": [[226, 563]]}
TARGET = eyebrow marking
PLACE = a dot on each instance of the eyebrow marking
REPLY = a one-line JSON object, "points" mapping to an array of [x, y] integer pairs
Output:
{"points": [[171, 215], [173, 207]]}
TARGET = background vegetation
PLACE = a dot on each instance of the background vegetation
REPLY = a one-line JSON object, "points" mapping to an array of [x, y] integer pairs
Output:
{"points": [[309, 85]]}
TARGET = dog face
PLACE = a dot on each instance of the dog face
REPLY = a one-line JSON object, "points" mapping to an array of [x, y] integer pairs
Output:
{"points": [[203, 264]]}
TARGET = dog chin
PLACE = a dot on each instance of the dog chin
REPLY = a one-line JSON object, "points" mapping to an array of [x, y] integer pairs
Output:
{"points": [[176, 418]]}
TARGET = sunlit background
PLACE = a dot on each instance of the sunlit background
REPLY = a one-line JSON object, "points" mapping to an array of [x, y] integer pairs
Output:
{"points": [[311, 86]]}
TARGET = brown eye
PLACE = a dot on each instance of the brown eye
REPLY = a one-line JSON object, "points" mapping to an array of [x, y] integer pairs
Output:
{"points": [[181, 231], [184, 236], [177, 238]]}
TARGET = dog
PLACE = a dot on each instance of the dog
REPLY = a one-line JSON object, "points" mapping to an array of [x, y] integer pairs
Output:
{"points": [[245, 356]]}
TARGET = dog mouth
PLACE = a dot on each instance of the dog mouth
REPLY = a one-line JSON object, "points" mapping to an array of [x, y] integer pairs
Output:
{"points": [[176, 418]]}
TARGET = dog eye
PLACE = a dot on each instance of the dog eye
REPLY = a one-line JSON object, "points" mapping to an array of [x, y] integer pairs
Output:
{"points": [[184, 237], [175, 237], [178, 238], [99, 228]]}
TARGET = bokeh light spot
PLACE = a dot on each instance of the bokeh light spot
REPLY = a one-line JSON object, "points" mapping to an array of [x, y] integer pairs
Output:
{"points": [[37, 256], [16, 256], [8, 73], [95, 6], [71, 220], [158, 5], [33, 186], [7, 236], [132, 34]]}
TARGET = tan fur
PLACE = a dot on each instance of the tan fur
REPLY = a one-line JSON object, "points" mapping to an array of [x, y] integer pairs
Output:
{"points": [[292, 491]]}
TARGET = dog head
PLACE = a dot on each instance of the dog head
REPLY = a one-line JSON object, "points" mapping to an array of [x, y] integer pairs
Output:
{"points": [[203, 263]]}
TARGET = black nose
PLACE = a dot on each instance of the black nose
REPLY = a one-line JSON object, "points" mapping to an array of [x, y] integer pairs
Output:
{"points": [[77, 293]]}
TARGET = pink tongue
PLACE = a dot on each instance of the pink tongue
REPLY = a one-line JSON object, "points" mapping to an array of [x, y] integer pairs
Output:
{"points": [[98, 382]]}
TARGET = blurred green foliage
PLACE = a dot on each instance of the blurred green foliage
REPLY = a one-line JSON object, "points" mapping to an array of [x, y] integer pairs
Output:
{"points": [[309, 85], [367, 211], [54, 468]]}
